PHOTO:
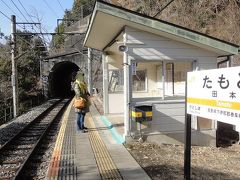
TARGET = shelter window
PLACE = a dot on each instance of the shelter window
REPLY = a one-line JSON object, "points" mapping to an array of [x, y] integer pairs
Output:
{"points": [[116, 81], [139, 81]]}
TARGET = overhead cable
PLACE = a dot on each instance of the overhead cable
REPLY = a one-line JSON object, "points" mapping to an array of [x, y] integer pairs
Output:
{"points": [[19, 26], [32, 21], [163, 8], [25, 10], [60, 5], [8, 17], [9, 7], [19, 10], [41, 28], [16, 34], [50, 8], [5, 15]]}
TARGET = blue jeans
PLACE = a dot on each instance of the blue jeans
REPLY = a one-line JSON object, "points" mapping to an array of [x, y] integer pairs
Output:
{"points": [[80, 120]]}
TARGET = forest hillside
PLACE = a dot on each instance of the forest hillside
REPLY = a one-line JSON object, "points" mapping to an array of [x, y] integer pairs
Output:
{"points": [[217, 18]]}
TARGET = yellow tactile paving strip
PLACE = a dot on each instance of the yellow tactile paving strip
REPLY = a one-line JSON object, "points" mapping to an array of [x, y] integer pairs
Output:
{"points": [[56, 157], [106, 166]]}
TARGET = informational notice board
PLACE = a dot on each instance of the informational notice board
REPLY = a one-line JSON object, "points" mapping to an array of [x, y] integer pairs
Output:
{"points": [[215, 94]]}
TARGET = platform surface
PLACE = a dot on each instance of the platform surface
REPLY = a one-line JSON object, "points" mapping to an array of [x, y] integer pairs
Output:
{"points": [[97, 154]]}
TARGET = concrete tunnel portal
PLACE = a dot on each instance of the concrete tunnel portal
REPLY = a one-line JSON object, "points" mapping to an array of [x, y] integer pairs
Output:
{"points": [[60, 78]]}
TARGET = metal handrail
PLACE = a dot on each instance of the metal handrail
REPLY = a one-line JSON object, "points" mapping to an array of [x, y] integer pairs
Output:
{"points": [[8, 115]]}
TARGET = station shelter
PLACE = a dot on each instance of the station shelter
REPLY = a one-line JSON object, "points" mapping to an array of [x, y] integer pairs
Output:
{"points": [[145, 63]]}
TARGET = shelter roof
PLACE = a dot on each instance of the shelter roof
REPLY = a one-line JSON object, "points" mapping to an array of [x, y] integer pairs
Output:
{"points": [[108, 21]]}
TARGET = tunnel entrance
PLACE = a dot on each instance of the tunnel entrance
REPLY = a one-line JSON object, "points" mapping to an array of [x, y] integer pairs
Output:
{"points": [[60, 79]]}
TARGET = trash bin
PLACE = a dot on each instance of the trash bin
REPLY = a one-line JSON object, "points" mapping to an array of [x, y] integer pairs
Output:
{"points": [[141, 113]]}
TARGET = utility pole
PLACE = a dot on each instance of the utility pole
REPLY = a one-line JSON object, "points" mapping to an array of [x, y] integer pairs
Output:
{"points": [[14, 66], [81, 11]]}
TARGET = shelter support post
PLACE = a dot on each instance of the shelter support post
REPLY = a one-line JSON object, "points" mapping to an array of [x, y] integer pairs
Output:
{"points": [[126, 70], [105, 83], [90, 70], [163, 79], [229, 63]]}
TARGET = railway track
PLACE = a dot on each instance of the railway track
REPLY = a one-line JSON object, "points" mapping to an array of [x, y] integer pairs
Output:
{"points": [[17, 154]]}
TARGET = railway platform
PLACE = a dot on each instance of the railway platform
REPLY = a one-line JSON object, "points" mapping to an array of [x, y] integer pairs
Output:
{"points": [[97, 154]]}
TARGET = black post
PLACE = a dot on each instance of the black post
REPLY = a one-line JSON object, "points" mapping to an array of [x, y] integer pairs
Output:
{"points": [[187, 148], [187, 138]]}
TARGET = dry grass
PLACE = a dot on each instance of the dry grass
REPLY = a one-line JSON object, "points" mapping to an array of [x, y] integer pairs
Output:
{"points": [[166, 161]]}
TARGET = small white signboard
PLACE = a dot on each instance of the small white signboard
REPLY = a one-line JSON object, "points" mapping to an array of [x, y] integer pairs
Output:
{"points": [[44, 78], [215, 94], [134, 68]]}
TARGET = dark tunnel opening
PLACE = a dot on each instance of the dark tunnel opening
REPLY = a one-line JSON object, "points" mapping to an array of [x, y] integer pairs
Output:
{"points": [[61, 76]]}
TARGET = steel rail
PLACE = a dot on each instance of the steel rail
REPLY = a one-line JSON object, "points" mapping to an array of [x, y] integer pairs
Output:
{"points": [[41, 124], [19, 174], [5, 145]]}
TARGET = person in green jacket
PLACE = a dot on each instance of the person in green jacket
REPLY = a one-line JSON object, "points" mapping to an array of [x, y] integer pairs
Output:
{"points": [[80, 89]]}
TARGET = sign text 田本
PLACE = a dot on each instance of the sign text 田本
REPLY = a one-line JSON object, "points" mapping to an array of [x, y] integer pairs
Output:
{"points": [[215, 94]]}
